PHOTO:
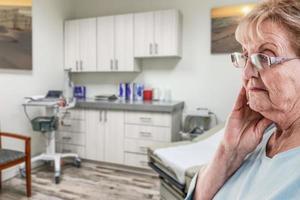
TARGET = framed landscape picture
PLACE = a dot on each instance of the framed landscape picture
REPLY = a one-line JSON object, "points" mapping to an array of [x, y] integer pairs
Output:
{"points": [[15, 34], [224, 21]]}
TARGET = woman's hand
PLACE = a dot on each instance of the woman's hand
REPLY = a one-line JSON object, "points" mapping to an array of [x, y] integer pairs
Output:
{"points": [[243, 132], [244, 128]]}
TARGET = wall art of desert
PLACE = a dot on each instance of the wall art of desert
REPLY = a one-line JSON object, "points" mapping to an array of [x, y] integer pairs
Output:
{"points": [[15, 37]]}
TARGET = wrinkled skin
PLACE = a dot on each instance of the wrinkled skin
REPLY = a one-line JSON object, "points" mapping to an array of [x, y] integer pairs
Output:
{"points": [[270, 95]]}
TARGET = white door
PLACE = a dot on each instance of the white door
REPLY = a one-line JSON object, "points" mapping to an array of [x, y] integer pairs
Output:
{"points": [[87, 44], [143, 34], [105, 43], [114, 136], [95, 135], [124, 60], [71, 45], [166, 33]]}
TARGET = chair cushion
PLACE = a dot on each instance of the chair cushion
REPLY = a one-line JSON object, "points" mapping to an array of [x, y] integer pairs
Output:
{"points": [[7, 155]]}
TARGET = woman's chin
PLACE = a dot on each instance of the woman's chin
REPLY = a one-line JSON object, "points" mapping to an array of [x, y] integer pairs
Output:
{"points": [[256, 105]]}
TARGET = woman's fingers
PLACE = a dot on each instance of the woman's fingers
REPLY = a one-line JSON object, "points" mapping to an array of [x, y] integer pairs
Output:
{"points": [[241, 100], [262, 125]]}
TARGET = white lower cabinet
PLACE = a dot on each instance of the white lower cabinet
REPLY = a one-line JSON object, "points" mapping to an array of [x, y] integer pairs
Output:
{"points": [[136, 160], [116, 136], [146, 129], [104, 136], [71, 135], [94, 135]]}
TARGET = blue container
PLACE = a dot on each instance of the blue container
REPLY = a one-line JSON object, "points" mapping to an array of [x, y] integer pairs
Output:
{"points": [[79, 92], [129, 91], [122, 91], [138, 91]]}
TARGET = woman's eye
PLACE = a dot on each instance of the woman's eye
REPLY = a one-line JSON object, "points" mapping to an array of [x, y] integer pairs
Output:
{"points": [[268, 52]]}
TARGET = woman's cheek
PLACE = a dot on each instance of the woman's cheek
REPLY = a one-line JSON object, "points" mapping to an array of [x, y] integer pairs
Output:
{"points": [[259, 101]]}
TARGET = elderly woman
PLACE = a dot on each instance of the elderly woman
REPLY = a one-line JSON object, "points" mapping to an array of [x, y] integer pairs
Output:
{"points": [[251, 163]]}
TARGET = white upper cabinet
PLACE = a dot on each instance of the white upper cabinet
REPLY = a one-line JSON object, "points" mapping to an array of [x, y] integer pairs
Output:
{"points": [[105, 43], [144, 34], [111, 43], [80, 45], [115, 43], [124, 60], [157, 34], [87, 43], [71, 45]]}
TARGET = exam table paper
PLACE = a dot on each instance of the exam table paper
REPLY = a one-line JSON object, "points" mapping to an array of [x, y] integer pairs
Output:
{"points": [[181, 158]]}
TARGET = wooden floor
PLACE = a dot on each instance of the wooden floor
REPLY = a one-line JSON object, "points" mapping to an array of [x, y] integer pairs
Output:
{"points": [[93, 181]]}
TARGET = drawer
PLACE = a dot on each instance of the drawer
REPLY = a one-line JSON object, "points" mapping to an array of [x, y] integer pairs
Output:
{"points": [[71, 138], [139, 146], [69, 148], [136, 160], [145, 118], [74, 114], [162, 134], [73, 126]]}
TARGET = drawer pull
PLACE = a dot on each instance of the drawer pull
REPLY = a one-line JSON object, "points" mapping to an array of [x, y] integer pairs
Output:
{"points": [[66, 138], [144, 163], [144, 149], [66, 151], [66, 125], [146, 119], [145, 134]]}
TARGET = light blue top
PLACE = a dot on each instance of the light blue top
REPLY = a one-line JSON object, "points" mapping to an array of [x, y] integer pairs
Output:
{"points": [[261, 177]]}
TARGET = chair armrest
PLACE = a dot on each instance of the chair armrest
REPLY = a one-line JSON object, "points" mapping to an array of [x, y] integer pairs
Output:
{"points": [[16, 136], [26, 139]]}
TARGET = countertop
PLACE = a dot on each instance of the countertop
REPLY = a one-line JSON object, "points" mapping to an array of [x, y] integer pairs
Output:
{"points": [[149, 106]]}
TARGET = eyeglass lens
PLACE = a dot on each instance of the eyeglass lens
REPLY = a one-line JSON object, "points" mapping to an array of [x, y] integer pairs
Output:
{"points": [[260, 61]]}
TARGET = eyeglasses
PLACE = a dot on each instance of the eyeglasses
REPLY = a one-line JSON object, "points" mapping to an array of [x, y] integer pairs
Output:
{"points": [[259, 60]]}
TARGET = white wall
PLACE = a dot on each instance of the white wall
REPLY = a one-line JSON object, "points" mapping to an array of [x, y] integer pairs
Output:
{"points": [[47, 73], [199, 78]]}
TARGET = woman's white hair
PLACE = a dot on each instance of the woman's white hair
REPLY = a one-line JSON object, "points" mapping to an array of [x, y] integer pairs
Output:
{"points": [[285, 13]]}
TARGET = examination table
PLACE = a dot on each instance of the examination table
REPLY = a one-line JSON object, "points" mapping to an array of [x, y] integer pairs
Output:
{"points": [[173, 185]]}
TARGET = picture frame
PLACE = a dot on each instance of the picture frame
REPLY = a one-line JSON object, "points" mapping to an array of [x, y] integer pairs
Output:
{"points": [[16, 34], [224, 21]]}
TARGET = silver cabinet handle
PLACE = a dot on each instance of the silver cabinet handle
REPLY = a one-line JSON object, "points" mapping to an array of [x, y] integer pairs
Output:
{"points": [[100, 115], [76, 65], [145, 134], [66, 151], [116, 64], [156, 48], [66, 138], [81, 65], [151, 49], [144, 163], [105, 116], [143, 149], [145, 119], [111, 64], [66, 125]]}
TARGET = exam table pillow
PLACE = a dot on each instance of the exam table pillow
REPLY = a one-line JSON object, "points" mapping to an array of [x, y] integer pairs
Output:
{"points": [[182, 158]]}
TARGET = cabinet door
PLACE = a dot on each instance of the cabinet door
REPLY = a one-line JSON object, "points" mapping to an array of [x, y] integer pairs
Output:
{"points": [[105, 43], [143, 34], [114, 136], [167, 31], [87, 43], [95, 135], [71, 45], [124, 60]]}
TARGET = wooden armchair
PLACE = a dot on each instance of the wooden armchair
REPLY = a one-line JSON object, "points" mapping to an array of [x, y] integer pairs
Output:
{"points": [[10, 158]]}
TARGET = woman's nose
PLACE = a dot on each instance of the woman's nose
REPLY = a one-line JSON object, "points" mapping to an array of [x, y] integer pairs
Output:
{"points": [[249, 71]]}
